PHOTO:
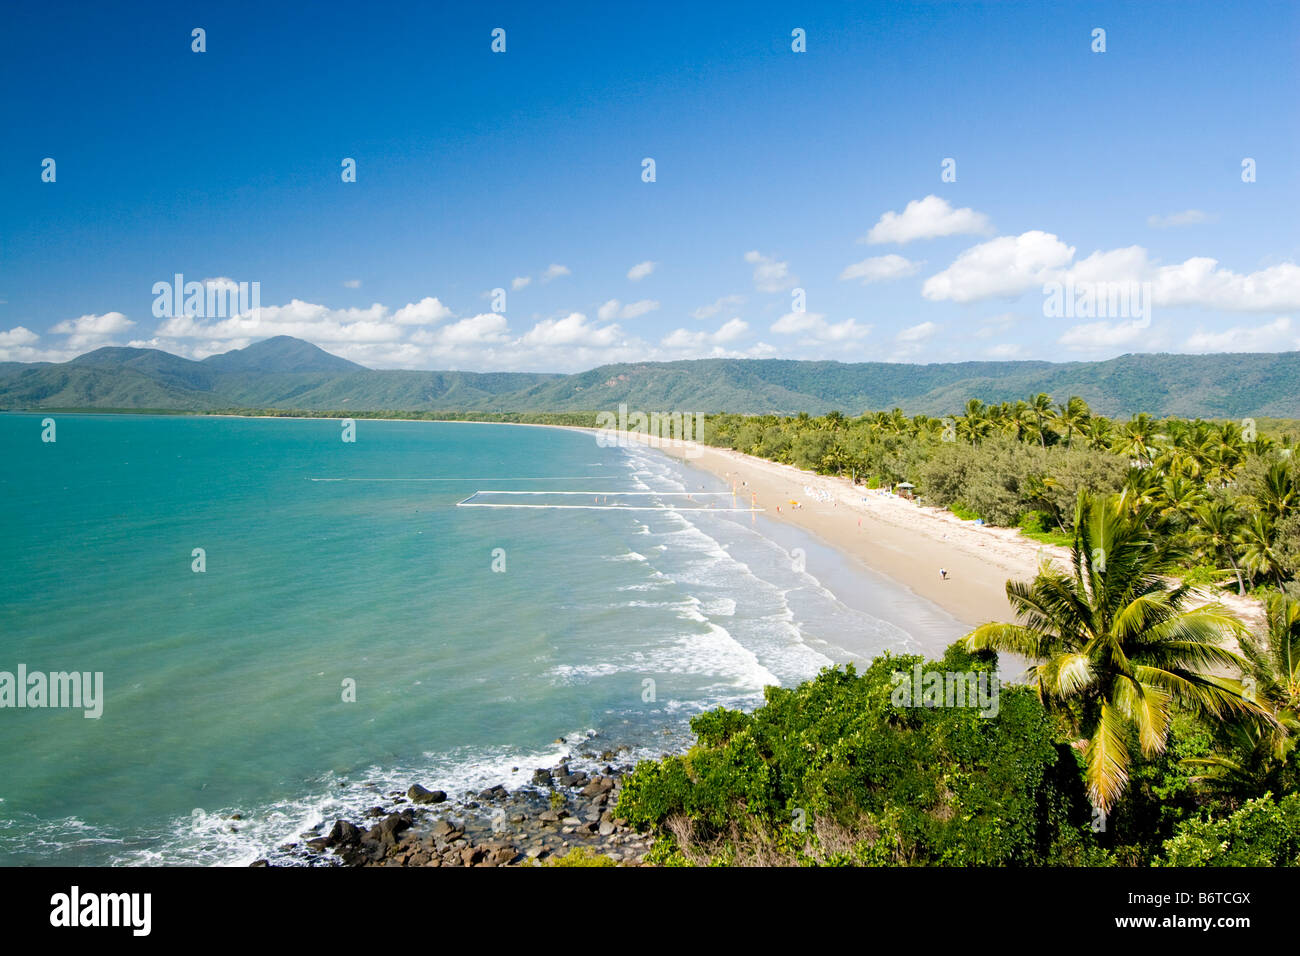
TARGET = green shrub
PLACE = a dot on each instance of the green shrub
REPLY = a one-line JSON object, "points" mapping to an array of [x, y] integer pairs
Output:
{"points": [[900, 784], [1264, 832], [581, 856]]}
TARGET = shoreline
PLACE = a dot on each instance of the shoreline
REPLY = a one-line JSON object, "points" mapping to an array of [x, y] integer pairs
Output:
{"points": [[892, 536]]}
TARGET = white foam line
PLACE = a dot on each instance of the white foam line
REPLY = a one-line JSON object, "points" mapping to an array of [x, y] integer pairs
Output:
{"points": [[552, 478], [475, 504], [643, 494]]}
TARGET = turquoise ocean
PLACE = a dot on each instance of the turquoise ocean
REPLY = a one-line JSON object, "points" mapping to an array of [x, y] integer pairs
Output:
{"points": [[474, 637]]}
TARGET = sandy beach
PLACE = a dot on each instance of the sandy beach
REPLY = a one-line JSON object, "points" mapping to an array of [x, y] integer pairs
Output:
{"points": [[897, 537], [907, 541]]}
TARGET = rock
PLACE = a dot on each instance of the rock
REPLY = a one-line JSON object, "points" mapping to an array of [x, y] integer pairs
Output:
{"points": [[236, 816], [446, 830], [534, 852], [320, 844], [606, 828], [549, 816], [344, 834], [259, 863], [542, 778], [375, 812], [570, 821], [418, 794]]}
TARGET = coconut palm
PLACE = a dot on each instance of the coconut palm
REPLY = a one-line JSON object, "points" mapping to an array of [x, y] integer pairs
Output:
{"points": [[1072, 417], [1259, 556], [1257, 750], [1215, 528], [1137, 440], [1117, 643], [1040, 408]]}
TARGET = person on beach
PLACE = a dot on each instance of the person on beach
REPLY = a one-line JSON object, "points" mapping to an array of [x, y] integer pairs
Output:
{"points": [[943, 574]]}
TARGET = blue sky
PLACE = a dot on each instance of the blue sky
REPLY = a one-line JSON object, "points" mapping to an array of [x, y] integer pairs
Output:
{"points": [[775, 171]]}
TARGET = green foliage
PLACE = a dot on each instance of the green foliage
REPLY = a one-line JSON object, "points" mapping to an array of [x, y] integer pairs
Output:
{"points": [[1036, 525], [961, 511], [918, 785], [1264, 832], [581, 856]]}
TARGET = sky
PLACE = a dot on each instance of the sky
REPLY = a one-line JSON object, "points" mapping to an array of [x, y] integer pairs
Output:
{"points": [[922, 182]]}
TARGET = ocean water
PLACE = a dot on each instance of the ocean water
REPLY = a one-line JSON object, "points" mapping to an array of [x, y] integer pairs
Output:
{"points": [[328, 563]]}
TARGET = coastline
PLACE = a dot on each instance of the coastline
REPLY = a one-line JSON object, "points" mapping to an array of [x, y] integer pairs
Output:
{"points": [[905, 541], [901, 539]]}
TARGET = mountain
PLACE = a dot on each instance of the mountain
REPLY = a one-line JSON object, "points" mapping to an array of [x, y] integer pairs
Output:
{"points": [[288, 373], [283, 353]]}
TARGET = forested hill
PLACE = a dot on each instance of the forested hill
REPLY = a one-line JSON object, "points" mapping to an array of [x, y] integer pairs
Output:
{"points": [[287, 373]]}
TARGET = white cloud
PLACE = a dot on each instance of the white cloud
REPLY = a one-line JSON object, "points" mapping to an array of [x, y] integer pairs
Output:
{"points": [[1006, 266], [814, 328], [18, 336], [109, 323], [1200, 282], [719, 305], [316, 323], [554, 271], [425, 312], [639, 308], [729, 331], [881, 268], [1096, 336], [518, 282], [641, 270], [1012, 265], [613, 309], [927, 218], [916, 333], [92, 331], [1188, 217], [769, 274], [485, 328], [573, 329], [1004, 350], [1280, 335], [352, 284]]}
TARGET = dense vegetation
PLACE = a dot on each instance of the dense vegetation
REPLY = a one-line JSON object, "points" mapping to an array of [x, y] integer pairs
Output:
{"points": [[285, 373], [1224, 495], [1139, 739], [1142, 737]]}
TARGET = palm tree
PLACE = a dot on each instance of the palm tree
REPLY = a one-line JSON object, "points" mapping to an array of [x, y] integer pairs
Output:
{"points": [[1277, 491], [1072, 417], [1099, 432], [1258, 555], [1217, 522], [1138, 437], [1016, 419], [1272, 678], [1041, 408], [1116, 642]]}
